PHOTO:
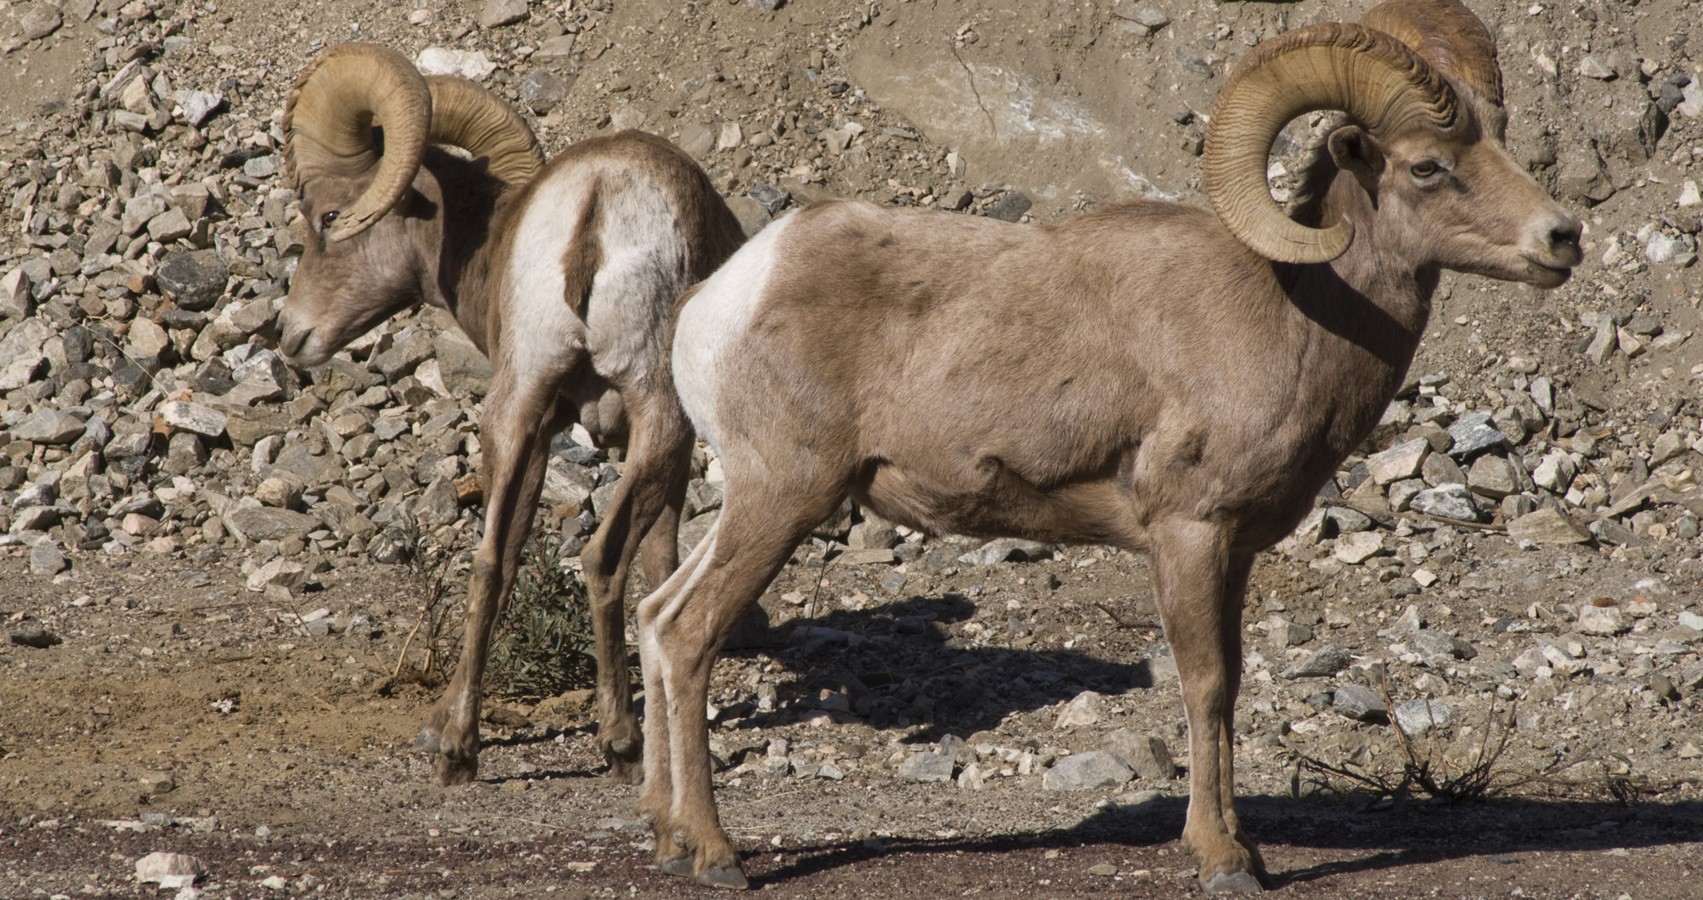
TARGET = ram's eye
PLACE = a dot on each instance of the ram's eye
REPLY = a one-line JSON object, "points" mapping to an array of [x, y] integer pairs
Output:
{"points": [[326, 220], [1425, 168]]}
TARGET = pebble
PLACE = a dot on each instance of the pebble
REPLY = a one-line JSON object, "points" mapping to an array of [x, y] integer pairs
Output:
{"points": [[1092, 770]]}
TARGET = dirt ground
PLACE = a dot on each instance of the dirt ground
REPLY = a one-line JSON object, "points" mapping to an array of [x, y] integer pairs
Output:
{"points": [[181, 711]]}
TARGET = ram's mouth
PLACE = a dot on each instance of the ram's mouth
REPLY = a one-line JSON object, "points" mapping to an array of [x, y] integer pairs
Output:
{"points": [[1548, 276]]}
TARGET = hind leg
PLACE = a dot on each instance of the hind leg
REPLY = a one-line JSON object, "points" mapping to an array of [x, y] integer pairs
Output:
{"points": [[643, 512], [681, 628]]}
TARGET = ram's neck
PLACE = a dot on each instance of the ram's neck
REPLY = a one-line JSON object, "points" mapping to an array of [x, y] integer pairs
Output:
{"points": [[465, 277]]}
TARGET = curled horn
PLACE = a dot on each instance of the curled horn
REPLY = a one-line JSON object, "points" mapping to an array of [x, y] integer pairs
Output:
{"points": [[328, 126], [1377, 80], [466, 115], [1448, 36]]}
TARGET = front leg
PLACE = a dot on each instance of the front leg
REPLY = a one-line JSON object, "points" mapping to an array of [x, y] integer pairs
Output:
{"points": [[1199, 588], [515, 433]]}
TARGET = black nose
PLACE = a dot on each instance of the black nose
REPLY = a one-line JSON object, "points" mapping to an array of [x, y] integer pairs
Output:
{"points": [[1564, 234]]}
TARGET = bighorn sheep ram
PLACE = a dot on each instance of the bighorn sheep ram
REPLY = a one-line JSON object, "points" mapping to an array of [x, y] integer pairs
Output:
{"points": [[566, 275], [1149, 376]]}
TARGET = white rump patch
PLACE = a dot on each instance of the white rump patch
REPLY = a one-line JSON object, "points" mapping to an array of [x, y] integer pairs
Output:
{"points": [[713, 321]]}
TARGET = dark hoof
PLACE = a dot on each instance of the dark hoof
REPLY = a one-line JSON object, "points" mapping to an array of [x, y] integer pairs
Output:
{"points": [[626, 761], [452, 770], [679, 867], [1231, 883], [727, 878]]}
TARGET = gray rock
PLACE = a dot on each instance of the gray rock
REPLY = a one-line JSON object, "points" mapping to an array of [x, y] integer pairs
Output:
{"points": [[1436, 643], [1360, 703], [1547, 526], [559, 47], [774, 199], [1663, 248], [1450, 501], [1147, 754], [465, 371], [501, 12], [1474, 434], [195, 418], [193, 279], [1327, 660], [33, 635], [1493, 477], [16, 301], [262, 167], [437, 506], [926, 767], [541, 90], [1007, 550], [199, 106], [39, 21], [770, 5], [261, 523], [1417, 717], [1592, 66], [49, 426], [47, 559], [1010, 208], [1093, 770]]}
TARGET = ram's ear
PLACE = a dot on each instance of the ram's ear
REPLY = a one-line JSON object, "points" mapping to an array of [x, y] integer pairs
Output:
{"points": [[1358, 153]]}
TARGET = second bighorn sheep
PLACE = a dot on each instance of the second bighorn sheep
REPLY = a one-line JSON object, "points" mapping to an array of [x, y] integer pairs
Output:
{"points": [[1149, 376], [564, 274]]}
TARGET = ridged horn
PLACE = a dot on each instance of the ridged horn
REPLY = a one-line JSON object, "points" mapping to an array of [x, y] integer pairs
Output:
{"points": [[466, 115], [1374, 78], [1448, 36], [328, 126]]}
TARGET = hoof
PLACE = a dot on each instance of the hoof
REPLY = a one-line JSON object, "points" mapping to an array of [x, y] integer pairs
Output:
{"points": [[1231, 883], [452, 770], [679, 867], [626, 761], [727, 878]]}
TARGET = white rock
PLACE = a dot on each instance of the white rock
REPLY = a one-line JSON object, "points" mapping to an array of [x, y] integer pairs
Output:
{"points": [[170, 870], [1604, 621], [1689, 195], [1356, 548], [1084, 709], [1398, 462], [469, 64]]}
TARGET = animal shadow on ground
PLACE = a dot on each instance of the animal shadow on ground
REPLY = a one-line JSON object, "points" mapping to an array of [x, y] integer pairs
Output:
{"points": [[890, 665], [1495, 832]]}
